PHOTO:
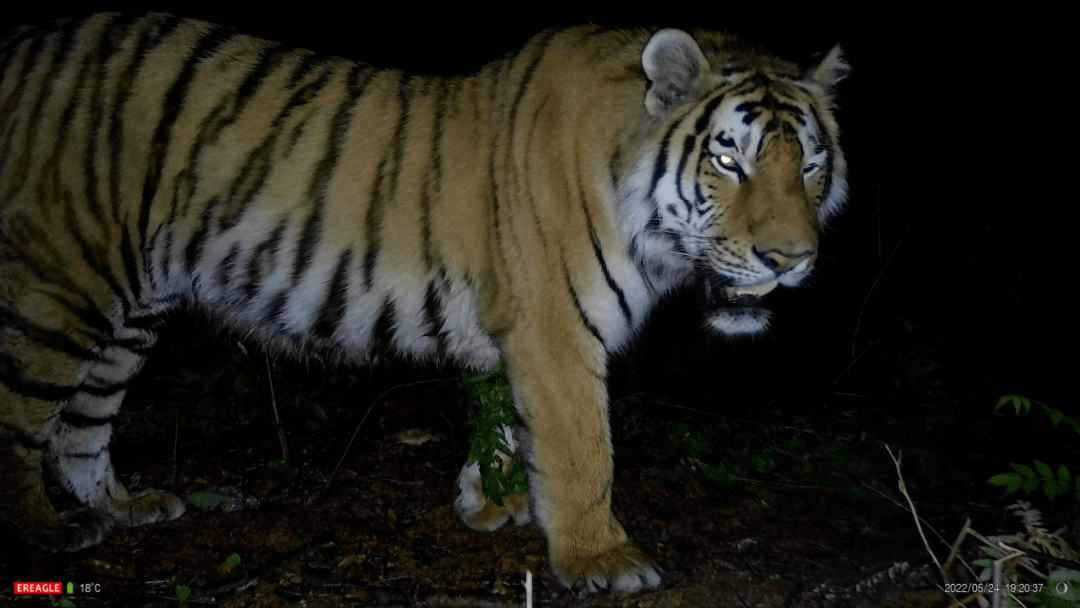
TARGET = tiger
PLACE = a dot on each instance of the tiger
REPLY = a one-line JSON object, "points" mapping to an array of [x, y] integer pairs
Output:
{"points": [[534, 211]]}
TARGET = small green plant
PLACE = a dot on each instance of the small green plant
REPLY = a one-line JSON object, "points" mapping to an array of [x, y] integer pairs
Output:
{"points": [[183, 592], [775, 455], [282, 469], [1022, 477], [490, 406], [1012, 560], [686, 448]]}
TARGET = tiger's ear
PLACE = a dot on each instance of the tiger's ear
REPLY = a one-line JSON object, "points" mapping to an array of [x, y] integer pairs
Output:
{"points": [[832, 68], [673, 62]]}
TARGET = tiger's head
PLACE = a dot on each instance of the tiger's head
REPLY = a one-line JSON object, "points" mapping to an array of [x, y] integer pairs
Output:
{"points": [[747, 170]]}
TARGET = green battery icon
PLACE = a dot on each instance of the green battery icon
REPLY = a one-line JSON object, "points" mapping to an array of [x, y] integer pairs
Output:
{"points": [[70, 588]]}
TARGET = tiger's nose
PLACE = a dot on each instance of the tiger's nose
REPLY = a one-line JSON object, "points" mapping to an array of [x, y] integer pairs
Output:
{"points": [[780, 261]]}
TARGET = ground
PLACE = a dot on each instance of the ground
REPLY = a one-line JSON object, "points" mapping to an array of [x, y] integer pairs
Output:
{"points": [[380, 530]]}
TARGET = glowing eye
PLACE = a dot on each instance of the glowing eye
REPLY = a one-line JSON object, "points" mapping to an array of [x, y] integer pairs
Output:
{"points": [[725, 161]]}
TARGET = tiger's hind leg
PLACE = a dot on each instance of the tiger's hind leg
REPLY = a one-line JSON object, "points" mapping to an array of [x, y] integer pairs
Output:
{"points": [[78, 451], [59, 398], [473, 505], [25, 507]]}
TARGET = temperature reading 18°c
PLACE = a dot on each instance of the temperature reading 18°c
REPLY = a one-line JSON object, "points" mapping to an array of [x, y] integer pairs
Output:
{"points": [[89, 587]]}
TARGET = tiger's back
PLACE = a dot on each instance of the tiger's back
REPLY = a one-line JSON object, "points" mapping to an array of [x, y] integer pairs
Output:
{"points": [[534, 211]]}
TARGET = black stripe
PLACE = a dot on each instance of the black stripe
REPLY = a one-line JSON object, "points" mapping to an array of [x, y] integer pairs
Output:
{"points": [[827, 142], [577, 306], [11, 40], [611, 282], [82, 421], [703, 205], [99, 387], [433, 314], [97, 258], [688, 146], [11, 376], [660, 167], [58, 276], [131, 264], [193, 250], [251, 177], [333, 309], [110, 43], [702, 123], [769, 101], [153, 32], [173, 103], [300, 97], [57, 61], [85, 455], [400, 138], [632, 249], [51, 177], [252, 174], [372, 232], [614, 166], [383, 191], [269, 59], [227, 268], [434, 176], [522, 86], [275, 311], [727, 141], [263, 258], [307, 65], [599, 253], [50, 169], [765, 132], [382, 333], [30, 65], [323, 173], [654, 220], [163, 239], [248, 183], [145, 320], [51, 339], [143, 342]]}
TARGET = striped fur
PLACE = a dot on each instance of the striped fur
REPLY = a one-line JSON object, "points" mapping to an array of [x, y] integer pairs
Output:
{"points": [[535, 211]]}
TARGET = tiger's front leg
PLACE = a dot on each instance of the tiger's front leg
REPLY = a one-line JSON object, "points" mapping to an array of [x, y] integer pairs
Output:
{"points": [[558, 377]]}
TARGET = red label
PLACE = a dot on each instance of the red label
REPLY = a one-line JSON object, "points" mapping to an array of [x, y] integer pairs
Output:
{"points": [[36, 588]]}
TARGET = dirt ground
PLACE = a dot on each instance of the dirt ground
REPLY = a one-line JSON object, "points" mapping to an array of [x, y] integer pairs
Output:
{"points": [[382, 532]]}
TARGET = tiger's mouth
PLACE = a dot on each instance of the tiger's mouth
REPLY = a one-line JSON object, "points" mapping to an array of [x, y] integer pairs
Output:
{"points": [[736, 310], [736, 293]]}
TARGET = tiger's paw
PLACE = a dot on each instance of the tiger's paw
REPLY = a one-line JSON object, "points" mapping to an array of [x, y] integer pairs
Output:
{"points": [[480, 512], [621, 569], [77, 529], [146, 507]]}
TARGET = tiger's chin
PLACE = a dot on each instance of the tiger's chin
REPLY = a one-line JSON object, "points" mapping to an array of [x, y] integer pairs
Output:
{"points": [[736, 310]]}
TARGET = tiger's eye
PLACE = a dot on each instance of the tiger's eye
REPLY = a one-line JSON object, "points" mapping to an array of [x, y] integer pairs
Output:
{"points": [[724, 162]]}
